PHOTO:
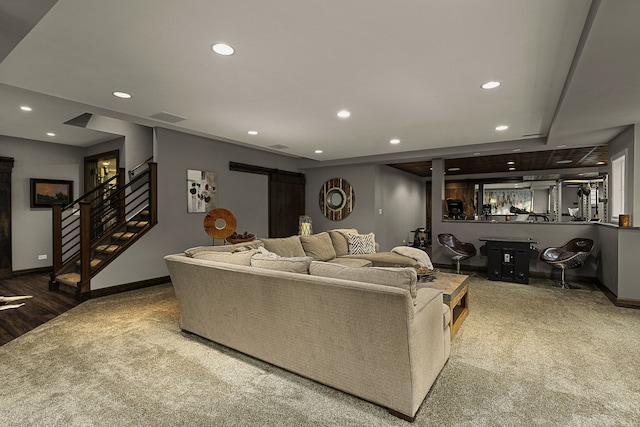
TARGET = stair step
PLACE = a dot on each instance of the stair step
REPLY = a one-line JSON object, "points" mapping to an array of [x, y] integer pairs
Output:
{"points": [[138, 224], [123, 235], [94, 263], [107, 249], [69, 279]]}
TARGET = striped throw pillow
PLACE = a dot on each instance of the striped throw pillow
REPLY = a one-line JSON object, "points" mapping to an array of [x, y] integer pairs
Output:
{"points": [[362, 243]]}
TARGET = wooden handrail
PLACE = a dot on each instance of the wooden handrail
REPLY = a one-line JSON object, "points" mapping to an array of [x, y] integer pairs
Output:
{"points": [[132, 172]]}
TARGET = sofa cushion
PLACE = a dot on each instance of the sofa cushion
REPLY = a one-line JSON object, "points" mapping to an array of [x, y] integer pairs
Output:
{"points": [[318, 246], [351, 262], [224, 248], [361, 243], [238, 258], [404, 278], [386, 259], [286, 246], [275, 262], [339, 239]]}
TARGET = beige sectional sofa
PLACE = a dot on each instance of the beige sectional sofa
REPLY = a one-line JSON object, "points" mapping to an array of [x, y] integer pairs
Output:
{"points": [[333, 246], [370, 332]]}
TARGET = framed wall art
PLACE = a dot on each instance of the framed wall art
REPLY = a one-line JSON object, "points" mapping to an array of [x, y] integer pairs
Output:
{"points": [[47, 192], [502, 200], [201, 191]]}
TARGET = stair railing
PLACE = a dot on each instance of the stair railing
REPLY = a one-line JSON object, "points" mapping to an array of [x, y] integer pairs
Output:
{"points": [[92, 219]]}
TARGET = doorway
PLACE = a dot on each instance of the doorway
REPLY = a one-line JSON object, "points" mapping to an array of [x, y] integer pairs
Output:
{"points": [[98, 170]]}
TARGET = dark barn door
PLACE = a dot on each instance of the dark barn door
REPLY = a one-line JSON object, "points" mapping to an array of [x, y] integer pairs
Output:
{"points": [[286, 197], [286, 202], [6, 164]]}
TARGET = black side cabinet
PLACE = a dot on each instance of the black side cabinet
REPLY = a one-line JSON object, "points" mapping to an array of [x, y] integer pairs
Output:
{"points": [[508, 259]]}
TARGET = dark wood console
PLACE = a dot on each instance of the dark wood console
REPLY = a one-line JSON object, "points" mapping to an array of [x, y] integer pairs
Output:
{"points": [[508, 258]]}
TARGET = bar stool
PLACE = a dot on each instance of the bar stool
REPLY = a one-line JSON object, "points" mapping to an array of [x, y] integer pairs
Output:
{"points": [[572, 254], [456, 249]]}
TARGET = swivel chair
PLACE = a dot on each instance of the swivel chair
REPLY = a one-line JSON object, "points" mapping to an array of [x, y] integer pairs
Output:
{"points": [[456, 249], [572, 254]]}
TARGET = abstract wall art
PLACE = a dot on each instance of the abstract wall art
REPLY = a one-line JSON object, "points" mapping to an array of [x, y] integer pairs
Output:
{"points": [[202, 195], [502, 200]]}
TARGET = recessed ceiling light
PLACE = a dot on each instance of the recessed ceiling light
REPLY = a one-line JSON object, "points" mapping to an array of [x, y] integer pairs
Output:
{"points": [[562, 146], [395, 141], [123, 95], [511, 163], [318, 151], [26, 108], [253, 132], [564, 161], [516, 150], [512, 169], [600, 163], [51, 134], [453, 169], [491, 85], [476, 154], [502, 127], [343, 114], [223, 49]]}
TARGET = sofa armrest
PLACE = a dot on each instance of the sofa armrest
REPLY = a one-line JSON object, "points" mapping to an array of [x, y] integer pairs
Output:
{"points": [[428, 342]]}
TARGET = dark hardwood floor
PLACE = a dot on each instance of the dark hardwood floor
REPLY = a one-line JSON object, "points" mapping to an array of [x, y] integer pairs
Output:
{"points": [[44, 306]]}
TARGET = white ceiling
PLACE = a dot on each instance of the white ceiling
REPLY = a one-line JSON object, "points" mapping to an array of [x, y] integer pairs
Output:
{"points": [[408, 69]]}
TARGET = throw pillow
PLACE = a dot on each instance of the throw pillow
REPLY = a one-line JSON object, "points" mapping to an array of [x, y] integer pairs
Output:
{"points": [[362, 243], [403, 277], [318, 246], [274, 262], [287, 246]]}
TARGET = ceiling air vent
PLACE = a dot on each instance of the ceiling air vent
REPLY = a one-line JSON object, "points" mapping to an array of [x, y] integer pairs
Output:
{"points": [[279, 147], [168, 117]]}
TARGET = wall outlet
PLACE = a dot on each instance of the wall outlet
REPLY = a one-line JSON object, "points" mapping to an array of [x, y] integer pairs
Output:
{"points": [[379, 211], [41, 257]]}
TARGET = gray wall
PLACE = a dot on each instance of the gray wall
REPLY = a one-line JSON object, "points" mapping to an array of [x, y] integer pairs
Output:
{"points": [[361, 178], [31, 227], [608, 268], [401, 197], [138, 140], [628, 140], [243, 194], [628, 250]]}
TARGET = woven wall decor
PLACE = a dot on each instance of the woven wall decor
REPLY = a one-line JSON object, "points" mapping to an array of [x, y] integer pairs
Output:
{"points": [[230, 223], [337, 199]]}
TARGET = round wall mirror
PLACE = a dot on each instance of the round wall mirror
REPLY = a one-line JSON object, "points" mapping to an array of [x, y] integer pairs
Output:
{"points": [[336, 199]]}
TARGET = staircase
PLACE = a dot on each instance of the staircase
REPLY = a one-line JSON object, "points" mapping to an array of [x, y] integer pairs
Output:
{"points": [[94, 230]]}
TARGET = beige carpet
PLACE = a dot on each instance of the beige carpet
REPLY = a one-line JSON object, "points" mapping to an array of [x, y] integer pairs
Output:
{"points": [[526, 355]]}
